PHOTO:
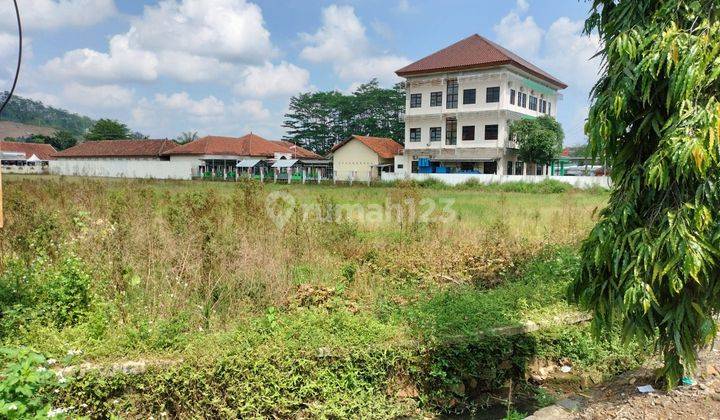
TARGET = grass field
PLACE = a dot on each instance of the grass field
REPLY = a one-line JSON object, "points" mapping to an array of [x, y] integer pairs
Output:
{"points": [[237, 315]]}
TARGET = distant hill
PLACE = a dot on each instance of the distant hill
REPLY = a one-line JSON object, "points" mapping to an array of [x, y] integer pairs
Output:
{"points": [[16, 130], [35, 113]]}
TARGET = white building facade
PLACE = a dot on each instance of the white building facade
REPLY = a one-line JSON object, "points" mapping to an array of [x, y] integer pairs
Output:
{"points": [[460, 103]]}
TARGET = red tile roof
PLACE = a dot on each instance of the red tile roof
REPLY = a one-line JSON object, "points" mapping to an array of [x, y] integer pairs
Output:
{"points": [[248, 145], [118, 148], [42, 151], [475, 52], [384, 147]]}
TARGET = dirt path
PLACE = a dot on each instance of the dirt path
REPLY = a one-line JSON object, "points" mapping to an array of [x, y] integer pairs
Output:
{"points": [[621, 399]]}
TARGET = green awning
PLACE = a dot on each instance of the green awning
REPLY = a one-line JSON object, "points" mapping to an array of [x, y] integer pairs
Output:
{"points": [[537, 87]]}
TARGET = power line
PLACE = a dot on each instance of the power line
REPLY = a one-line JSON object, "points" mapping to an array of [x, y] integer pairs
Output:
{"points": [[7, 99]]}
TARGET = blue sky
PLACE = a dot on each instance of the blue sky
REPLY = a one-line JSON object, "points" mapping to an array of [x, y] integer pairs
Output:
{"points": [[228, 67]]}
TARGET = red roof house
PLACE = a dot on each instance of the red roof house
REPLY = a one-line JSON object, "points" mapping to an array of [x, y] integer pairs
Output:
{"points": [[250, 145], [43, 152], [118, 149]]}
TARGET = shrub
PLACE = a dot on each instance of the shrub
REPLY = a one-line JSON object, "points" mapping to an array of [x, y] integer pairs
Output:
{"points": [[25, 385], [55, 293]]}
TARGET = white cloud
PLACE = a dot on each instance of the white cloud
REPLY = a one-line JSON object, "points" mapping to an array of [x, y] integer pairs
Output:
{"points": [[380, 67], [273, 80], [230, 30], [94, 97], [250, 108], [54, 14], [522, 6], [403, 6], [569, 53], [190, 68], [522, 36], [341, 36], [182, 103], [121, 63], [8, 45], [342, 41], [187, 40]]}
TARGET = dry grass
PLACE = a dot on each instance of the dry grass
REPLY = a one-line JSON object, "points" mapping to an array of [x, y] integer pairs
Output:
{"points": [[209, 252]]}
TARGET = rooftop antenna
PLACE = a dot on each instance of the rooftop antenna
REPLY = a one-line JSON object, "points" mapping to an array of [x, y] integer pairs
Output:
{"points": [[7, 99]]}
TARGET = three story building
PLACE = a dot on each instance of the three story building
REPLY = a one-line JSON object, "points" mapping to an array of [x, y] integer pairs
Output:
{"points": [[460, 102]]}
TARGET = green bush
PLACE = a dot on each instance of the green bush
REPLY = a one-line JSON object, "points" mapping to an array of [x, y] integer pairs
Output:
{"points": [[26, 385], [57, 293]]}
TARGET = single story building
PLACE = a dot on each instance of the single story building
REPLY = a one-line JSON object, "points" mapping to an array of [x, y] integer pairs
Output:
{"points": [[252, 155], [363, 158], [119, 159], [17, 157]]}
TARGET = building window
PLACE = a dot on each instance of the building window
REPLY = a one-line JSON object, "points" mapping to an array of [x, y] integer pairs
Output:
{"points": [[493, 94], [435, 133], [543, 106], [415, 134], [509, 167], [468, 96], [512, 96], [523, 103], [533, 103], [549, 108], [538, 169], [451, 132], [489, 167], [452, 94], [468, 132], [416, 100], [519, 168], [491, 132], [436, 99]]}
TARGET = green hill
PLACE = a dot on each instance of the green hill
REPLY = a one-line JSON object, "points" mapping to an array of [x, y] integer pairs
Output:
{"points": [[31, 112]]}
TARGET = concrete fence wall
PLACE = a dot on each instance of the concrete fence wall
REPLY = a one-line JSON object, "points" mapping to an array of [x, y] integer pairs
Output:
{"points": [[456, 179], [121, 168]]}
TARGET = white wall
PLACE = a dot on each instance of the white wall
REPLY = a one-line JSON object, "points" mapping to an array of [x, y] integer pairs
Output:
{"points": [[456, 179], [122, 168], [354, 161]]}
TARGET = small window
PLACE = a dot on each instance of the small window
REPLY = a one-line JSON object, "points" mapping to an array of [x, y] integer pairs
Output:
{"points": [[452, 94], [533, 103], [543, 106], [415, 100], [510, 167], [549, 108], [435, 133], [415, 134], [538, 169], [519, 168], [491, 132], [451, 132], [512, 96], [493, 94], [400, 166], [436, 99], [524, 100], [468, 132], [468, 96]]}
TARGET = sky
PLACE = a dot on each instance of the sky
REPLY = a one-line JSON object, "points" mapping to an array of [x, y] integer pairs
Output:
{"points": [[229, 67]]}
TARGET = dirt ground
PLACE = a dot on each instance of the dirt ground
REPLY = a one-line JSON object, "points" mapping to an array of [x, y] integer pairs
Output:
{"points": [[621, 399]]}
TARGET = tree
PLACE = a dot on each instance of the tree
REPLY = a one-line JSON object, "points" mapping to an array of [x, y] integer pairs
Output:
{"points": [[62, 140], [652, 263], [106, 129], [319, 120], [187, 137], [539, 140]]}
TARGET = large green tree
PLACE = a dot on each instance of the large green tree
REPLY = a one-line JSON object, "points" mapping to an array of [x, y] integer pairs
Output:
{"points": [[318, 120], [106, 129], [652, 263], [539, 140]]}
